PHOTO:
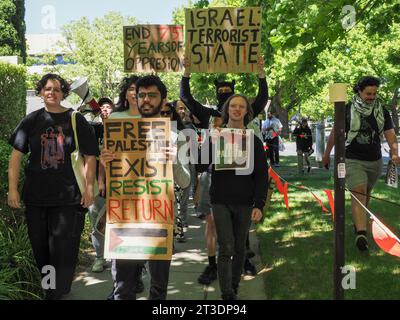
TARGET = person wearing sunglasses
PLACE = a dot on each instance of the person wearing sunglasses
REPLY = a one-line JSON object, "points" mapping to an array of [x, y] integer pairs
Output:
{"points": [[151, 97]]}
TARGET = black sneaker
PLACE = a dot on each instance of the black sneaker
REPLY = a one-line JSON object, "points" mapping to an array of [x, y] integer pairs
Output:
{"points": [[250, 254], [362, 242], [139, 285], [201, 215], [209, 275], [231, 296], [249, 268], [235, 289], [180, 237], [111, 295]]}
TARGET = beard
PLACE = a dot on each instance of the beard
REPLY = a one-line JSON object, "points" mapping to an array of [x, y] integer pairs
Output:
{"points": [[153, 110]]}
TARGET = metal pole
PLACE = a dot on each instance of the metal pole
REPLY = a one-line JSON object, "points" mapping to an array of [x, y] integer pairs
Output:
{"points": [[337, 95], [340, 174]]}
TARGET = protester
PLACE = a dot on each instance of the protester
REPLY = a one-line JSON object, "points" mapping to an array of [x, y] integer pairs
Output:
{"points": [[168, 111], [151, 95], [127, 107], [97, 210], [272, 128], [212, 117], [237, 199], [366, 121], [127, 103], [304, 143], [54, 206]]}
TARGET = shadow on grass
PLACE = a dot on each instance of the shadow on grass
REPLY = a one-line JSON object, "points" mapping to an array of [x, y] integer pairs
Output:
{"points": [[298, 245]]}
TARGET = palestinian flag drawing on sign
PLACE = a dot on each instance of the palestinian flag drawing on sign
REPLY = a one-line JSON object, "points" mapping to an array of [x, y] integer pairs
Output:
{"points": [[139, 241]]}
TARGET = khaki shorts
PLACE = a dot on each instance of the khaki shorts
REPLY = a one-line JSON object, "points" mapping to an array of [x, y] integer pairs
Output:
{"points": [[361, 173]]}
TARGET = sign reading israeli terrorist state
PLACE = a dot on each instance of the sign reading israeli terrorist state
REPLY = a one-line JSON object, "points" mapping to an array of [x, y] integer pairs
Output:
{"points": [[223, 39], [156, 48], [140, 190]]}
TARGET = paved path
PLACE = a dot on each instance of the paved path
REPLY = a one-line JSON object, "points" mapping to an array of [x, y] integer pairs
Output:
{"points": [[187, 264]]}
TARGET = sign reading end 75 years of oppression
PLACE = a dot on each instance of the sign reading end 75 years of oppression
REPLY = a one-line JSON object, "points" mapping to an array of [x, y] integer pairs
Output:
{"points": [[223, 39], [156, 48], [140, 190]]}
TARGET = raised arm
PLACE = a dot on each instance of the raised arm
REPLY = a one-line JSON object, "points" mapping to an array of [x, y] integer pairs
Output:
{"points": [[262, 96], [199, 111]]}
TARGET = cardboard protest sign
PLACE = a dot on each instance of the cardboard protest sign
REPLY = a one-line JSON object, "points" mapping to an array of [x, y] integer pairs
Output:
{"points": [[223, 39], [140, 190], [232, 149], [156, 48]]}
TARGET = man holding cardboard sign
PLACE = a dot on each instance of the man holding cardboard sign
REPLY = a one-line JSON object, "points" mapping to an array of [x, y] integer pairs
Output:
{"points": [[141, 178]]}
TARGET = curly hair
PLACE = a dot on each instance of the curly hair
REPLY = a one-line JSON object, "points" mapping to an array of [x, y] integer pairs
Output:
{"points": [[175, 115], [366, 81], [122, 104], [65, 86], [148, 81]]}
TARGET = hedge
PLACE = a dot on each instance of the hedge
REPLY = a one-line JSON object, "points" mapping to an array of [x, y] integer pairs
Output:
{"points": [[12, 97]]}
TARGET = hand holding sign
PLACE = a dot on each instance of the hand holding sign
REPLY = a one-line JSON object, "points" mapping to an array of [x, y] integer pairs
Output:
{"points": [[260, 66], [106, 156]]}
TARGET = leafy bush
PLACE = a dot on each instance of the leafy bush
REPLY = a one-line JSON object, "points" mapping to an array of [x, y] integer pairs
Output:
{"points": [[19, 278], [12, 97]]}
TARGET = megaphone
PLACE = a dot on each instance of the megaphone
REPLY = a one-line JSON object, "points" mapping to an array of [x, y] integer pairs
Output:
{"points": [[81, 88]]}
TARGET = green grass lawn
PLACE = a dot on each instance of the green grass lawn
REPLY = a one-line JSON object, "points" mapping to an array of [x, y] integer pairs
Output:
{"points": [[298, 245]]}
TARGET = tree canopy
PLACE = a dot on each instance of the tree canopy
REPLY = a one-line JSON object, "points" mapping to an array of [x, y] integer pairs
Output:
{"points": [[307, 45], [12, 28]]}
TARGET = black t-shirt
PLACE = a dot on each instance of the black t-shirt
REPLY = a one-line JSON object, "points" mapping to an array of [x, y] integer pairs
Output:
{"points": [[49, 138], [303, 138], [367, 144]]}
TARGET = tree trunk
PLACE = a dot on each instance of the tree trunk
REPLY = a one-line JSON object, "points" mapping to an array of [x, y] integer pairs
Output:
{"points": [[280, 111]]}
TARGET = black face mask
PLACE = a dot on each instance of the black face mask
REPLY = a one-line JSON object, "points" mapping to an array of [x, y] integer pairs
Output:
{"points": [[223, 96]]}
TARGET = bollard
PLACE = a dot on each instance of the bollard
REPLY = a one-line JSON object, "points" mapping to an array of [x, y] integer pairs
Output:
{"points": [[338, 96]]}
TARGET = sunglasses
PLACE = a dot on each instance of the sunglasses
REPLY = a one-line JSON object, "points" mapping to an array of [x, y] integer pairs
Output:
{"points": [[165, 113], [151, 95]]}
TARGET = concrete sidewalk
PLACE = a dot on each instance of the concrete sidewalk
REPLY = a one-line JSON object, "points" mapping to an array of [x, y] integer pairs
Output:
{"points": [[188, 263]]}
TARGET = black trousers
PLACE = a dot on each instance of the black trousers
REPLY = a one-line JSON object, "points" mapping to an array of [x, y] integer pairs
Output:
{"points": [[232, 223], [126, 273], [55, 234], [273, 150]]}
